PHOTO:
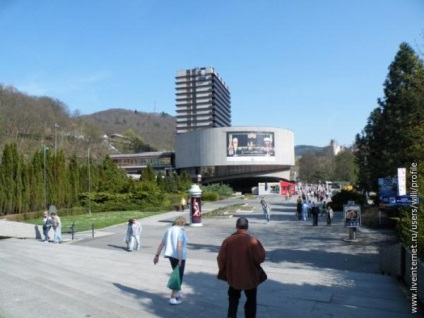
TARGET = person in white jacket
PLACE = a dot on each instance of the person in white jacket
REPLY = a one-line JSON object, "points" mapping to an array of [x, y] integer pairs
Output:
{"points": [[174, 244], [57, 227], [133, 235], [136, 235]]}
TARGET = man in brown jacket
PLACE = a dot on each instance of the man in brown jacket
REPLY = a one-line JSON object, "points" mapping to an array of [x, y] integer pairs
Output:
{"points": [[239, 260]]}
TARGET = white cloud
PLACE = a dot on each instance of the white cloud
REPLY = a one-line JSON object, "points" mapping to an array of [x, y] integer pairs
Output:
{"points": [[63, 84]]}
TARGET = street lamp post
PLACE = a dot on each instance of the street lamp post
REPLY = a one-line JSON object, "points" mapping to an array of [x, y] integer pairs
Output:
{"points": [[56, 126], [89, 182], [45, 148]]}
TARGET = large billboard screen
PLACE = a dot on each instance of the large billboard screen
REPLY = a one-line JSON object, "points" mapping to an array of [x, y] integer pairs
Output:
{"points": [[388, 193], [250, 146]]}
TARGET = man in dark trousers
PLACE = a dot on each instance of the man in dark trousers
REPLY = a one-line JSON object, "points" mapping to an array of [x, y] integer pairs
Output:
{"points": [[315, 213], [239, 260], [299, 208]]}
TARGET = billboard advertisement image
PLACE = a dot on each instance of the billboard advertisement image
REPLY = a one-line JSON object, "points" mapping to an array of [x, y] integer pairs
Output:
{"points": [[248, 146]]}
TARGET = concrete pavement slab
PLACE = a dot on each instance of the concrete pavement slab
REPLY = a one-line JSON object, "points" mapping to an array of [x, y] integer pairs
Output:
{"points": [[311, 271]]}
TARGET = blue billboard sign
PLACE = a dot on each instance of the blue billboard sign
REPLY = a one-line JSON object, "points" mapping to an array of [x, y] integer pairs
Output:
{"points": [[388, 193]]}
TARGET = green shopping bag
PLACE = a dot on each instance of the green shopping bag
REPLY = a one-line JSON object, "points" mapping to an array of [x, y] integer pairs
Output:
{"points": [[174, 281]]}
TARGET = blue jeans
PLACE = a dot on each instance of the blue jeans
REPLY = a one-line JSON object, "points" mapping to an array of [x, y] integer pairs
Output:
{"points": [[134, 243], [46, 231], [58, 235]]}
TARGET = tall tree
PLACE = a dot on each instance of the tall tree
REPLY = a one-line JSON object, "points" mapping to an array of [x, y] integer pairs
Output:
{"points": [[26, 191], [345, 167], [391, 131], [112, 178], [308, 167], [8, 179], [59, 184], [73, 185], [37, 182]]}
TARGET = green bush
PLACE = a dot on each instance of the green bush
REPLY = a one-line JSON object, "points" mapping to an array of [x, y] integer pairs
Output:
{"points": [[342, 197], [210, 196], [223, 190], [174, 199], [104, 201]]}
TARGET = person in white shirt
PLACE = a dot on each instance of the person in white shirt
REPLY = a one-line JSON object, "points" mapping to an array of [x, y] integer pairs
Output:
{"points": [[57, 227], [305, 208], [174, 243], [136, 233]]}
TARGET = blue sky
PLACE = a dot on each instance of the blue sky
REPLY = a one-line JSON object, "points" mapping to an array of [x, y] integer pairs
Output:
{"points": [[314, 67]]}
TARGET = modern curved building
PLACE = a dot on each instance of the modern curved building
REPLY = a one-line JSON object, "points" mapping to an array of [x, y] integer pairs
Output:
{"points": [[209, 148], [236, 155]]}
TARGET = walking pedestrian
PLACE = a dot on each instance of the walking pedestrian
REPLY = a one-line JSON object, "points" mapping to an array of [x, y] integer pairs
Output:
{"points": [[174, 243], [132, 237], [128, 235], [266, 210], [239, 260], [299, 208], [136, 235], [330, 214], [323, 208], [305, 209], [183, 203], [57, 227], [267, 213], [47, 225], [315, 213]]}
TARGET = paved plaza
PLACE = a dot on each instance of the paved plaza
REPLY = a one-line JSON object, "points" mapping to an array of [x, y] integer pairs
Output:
{"points": [[312, 271]]}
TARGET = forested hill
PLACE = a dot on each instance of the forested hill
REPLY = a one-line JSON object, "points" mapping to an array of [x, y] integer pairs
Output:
{"points": [[156, 129], [302, 149], [35, 122]]}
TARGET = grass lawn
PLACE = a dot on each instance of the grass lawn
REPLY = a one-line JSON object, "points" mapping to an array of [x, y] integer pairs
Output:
{"points": [[100, 220], [83, 222]]}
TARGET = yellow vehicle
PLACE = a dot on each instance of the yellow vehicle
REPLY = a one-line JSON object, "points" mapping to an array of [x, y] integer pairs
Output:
{"points": [[347, 187]]}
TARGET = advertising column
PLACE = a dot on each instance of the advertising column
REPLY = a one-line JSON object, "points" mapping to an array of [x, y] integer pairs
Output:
{"points": [[195, 205]]}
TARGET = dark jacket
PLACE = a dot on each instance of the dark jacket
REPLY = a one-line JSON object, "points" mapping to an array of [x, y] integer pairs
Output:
{"points": [[315, 210], [239, 261]]}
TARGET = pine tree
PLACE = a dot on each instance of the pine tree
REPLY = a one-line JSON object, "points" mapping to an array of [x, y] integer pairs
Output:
{"points": [[73, 185], [36, 186], [391, 132], [8, 179]]}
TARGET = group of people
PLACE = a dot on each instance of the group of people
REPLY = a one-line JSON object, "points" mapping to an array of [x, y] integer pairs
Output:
{"points": [[239, 258], [52, 221], [306, 209], [49, 222], [318, 192], [239, 263]]}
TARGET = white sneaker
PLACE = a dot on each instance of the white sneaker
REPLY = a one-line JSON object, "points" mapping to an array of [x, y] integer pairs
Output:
{"points": [[179, 295], [174, 301]]}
